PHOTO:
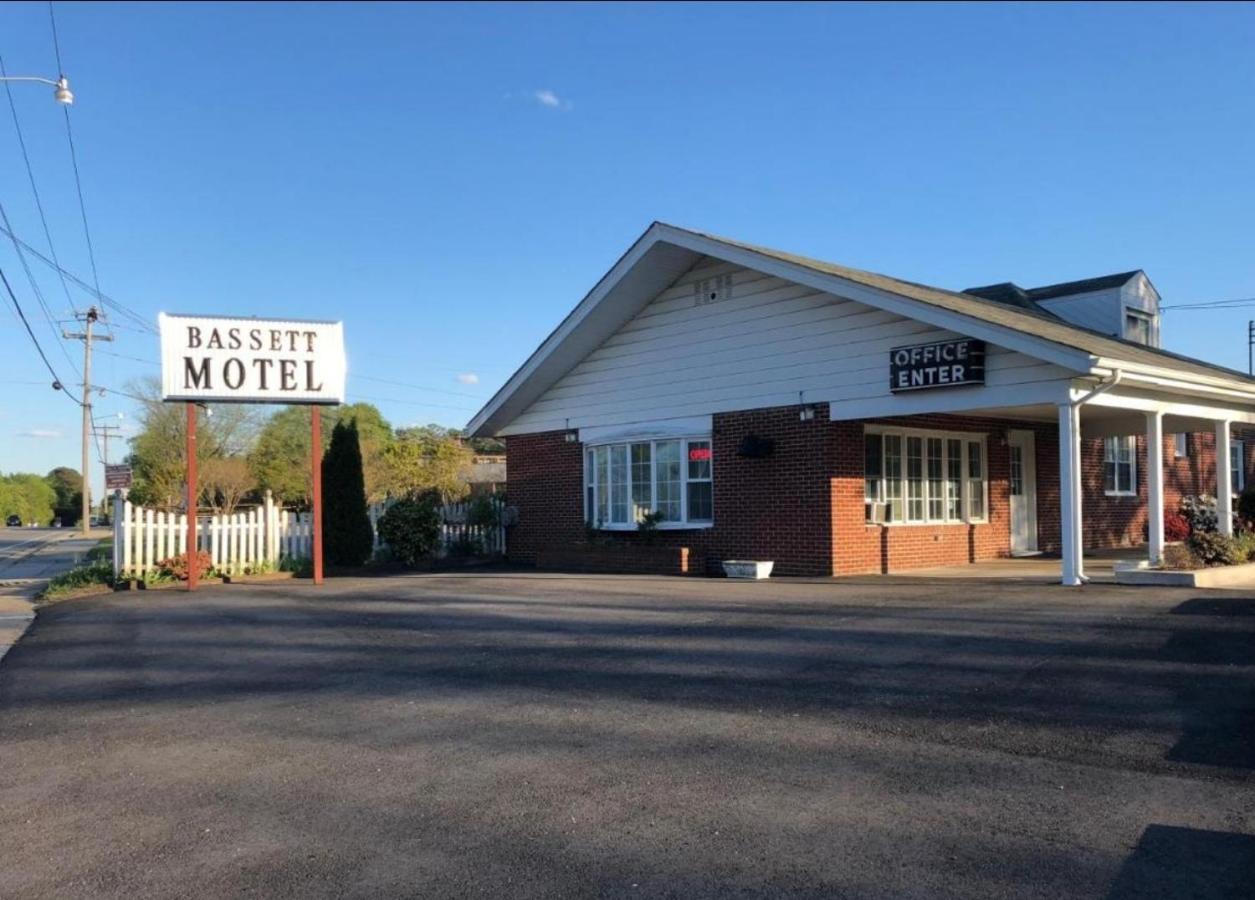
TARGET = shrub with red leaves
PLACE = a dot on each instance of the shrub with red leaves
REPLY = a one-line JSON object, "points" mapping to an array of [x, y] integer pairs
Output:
{"points": [[177, 565], [1175, 526]]}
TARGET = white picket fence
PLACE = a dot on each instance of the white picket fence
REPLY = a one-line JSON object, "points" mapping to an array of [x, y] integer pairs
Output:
{"points": [[260, 536]]}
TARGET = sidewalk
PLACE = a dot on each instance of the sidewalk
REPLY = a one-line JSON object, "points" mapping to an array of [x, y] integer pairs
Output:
{"points": [[17, 611]]}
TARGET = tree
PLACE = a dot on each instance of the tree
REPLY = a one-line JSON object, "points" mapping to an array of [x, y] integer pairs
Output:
{"points": [[347, 536], [67, 485], [159, 451], [429, 458], [225, 481], [280, 458], [27, 496]]}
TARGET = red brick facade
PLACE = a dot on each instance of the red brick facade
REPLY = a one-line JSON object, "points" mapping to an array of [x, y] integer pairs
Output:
{"points": [[802, 506]]}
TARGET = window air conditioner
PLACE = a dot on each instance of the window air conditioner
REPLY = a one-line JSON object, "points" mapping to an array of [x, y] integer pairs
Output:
{"points": [[876, 513]]}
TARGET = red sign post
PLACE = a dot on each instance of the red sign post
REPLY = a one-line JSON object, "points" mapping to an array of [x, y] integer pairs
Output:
{"points": [[193, 558], [315, 456]]}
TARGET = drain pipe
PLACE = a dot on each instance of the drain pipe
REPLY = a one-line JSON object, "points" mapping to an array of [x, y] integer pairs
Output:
{"points": [[1074, 485]]}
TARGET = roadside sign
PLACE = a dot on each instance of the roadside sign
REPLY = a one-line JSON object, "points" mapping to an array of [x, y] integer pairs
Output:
{"points": [[118, 478], [245, 360]]}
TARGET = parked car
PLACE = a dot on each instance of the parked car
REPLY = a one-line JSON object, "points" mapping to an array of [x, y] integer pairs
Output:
{"points": [[13, 522], [56, 522], [94, 521]]}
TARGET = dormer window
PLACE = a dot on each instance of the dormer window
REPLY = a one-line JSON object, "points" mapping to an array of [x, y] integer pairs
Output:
{"points": [[1139, 327]]}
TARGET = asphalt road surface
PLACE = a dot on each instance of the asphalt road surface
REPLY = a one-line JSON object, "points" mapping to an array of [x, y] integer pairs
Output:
{"points": [[545, 736], [35, 554]]}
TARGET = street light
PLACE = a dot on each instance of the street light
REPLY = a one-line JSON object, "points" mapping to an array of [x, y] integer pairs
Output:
{"points": [[61, 87]]}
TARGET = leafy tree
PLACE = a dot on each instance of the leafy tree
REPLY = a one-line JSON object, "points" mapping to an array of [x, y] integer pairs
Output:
{"points": [[280, 459], [159, 451], [225, 481], [67, 484], [429, 458], [347, 536], [28, 496]]}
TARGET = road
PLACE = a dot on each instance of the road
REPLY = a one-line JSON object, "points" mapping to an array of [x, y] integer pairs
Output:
{"points": [[548, 736]]}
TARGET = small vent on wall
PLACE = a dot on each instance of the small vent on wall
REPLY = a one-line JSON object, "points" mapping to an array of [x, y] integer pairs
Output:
{"points": [[712, 290]]}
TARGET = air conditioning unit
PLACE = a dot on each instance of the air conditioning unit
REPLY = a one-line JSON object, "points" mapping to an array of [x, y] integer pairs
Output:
{"points": [[877, 513]]}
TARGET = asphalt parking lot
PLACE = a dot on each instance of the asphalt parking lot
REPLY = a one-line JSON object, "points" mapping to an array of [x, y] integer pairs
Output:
{"points": [[507, 735]]}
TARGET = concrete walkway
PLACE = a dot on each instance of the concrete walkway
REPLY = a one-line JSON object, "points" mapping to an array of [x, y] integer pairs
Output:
{"points": [[1099, 568]]}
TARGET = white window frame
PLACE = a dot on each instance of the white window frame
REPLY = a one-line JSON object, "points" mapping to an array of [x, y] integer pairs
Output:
{"points": [[1237, 474], [683, 523], [963, 437], [1108, 444]]}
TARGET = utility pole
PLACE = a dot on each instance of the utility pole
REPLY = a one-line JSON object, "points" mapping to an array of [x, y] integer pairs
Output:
{"points": [[89, 319], [104, 432], [1250, 347]]}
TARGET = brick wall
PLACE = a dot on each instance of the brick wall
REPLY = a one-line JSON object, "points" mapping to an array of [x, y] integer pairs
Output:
{"points": [[802, 506], [860, 548]]}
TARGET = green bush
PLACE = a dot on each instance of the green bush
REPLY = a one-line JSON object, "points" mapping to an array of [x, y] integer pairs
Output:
{"points": [[1215, 549], [1246, 503], [78, 578], [482, 512], [1245, 541], [302, 566], [411, 528]]}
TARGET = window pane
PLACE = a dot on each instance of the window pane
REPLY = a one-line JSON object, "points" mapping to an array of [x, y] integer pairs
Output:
{"points": [[700, 501], [667, 469], [872, 462], [1017, 470], [619, 484], [642, 481], [976, 479], [915, 479], [893, 477], [954, 479], [603, 485], [936, 501], [699, 460]]}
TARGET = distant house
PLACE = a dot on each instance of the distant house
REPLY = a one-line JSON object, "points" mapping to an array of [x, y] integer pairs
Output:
{"points": [[771, 406], [487, 474]]}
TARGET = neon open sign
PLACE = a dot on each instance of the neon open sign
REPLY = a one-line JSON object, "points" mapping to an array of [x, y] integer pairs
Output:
{"points": [[699, 454]]}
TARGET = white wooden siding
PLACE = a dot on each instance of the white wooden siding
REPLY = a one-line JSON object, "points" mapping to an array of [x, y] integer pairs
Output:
{"points": [[760, 347], [1097, 310]]}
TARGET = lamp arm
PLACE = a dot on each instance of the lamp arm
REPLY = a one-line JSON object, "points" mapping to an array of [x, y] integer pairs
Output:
{"points": [[30, 78]]}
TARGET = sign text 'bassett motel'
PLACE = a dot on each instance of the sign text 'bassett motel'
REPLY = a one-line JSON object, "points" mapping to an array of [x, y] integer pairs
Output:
{"points": [[940, 364], [251, 360]]}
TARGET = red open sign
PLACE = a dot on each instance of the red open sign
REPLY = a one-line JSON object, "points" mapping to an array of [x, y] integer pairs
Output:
{"points": [[699, 454]]}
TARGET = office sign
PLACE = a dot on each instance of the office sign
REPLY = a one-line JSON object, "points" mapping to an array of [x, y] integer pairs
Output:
{"points": [[941, 364], [118, 478], [239, 360]]}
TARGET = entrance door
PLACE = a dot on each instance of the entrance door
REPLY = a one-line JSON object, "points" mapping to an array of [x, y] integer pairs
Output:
{"points": [[1023, 478]]}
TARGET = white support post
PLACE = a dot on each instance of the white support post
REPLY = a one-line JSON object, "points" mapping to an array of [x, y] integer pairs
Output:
{"points": [[1069, 493], [1224, 480], [1154, 485]]}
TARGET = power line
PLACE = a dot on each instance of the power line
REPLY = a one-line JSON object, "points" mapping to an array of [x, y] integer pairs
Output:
{"points": [[22, 315], [30, 174], [1211, 304], [56, 44], [417, 387], [103, 298], [39, 295]]}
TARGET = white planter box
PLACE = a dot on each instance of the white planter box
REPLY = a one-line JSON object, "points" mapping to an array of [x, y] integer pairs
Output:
{"points": [[755, 570]]}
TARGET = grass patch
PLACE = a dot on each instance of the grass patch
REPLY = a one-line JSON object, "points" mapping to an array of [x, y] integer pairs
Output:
{"points": [[80, 580], [102, 552]]}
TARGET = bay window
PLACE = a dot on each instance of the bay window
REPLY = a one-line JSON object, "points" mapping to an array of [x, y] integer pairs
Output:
{"points": [[924, 476], [1120, 465], [624, 482]]}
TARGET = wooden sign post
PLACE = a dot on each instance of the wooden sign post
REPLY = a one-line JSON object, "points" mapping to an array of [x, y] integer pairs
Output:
{"points": [[193, 558]]}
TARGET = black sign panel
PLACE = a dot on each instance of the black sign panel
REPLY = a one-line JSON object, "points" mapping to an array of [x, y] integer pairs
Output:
{"points": [[943, 364]]}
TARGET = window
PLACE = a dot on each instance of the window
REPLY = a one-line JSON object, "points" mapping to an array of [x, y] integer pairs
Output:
{"points": [[1181, 445], [925, 476], [1120, 465], [1237, 471], [624, 482], [1139, 327]]}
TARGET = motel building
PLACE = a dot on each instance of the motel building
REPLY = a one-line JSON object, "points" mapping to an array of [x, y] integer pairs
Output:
{"points": [[766, 406]]}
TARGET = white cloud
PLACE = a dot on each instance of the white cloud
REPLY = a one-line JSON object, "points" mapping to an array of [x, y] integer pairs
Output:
{"points": [[551, 100], [468, 378], [39, 433]]}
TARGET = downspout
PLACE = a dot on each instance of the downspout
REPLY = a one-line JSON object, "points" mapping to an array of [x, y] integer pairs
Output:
{"points": [[1098, 390]]}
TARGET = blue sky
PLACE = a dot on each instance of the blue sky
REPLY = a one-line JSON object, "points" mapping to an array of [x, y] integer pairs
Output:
{"points": [[449, 181]]}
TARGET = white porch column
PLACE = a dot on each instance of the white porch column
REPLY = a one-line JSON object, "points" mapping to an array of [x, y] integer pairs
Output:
{"points": [[1070, 534], [1224, 480], [1154, 484]]}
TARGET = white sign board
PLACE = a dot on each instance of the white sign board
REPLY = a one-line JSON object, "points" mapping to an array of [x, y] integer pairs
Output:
{"points": [[238, 360]]}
